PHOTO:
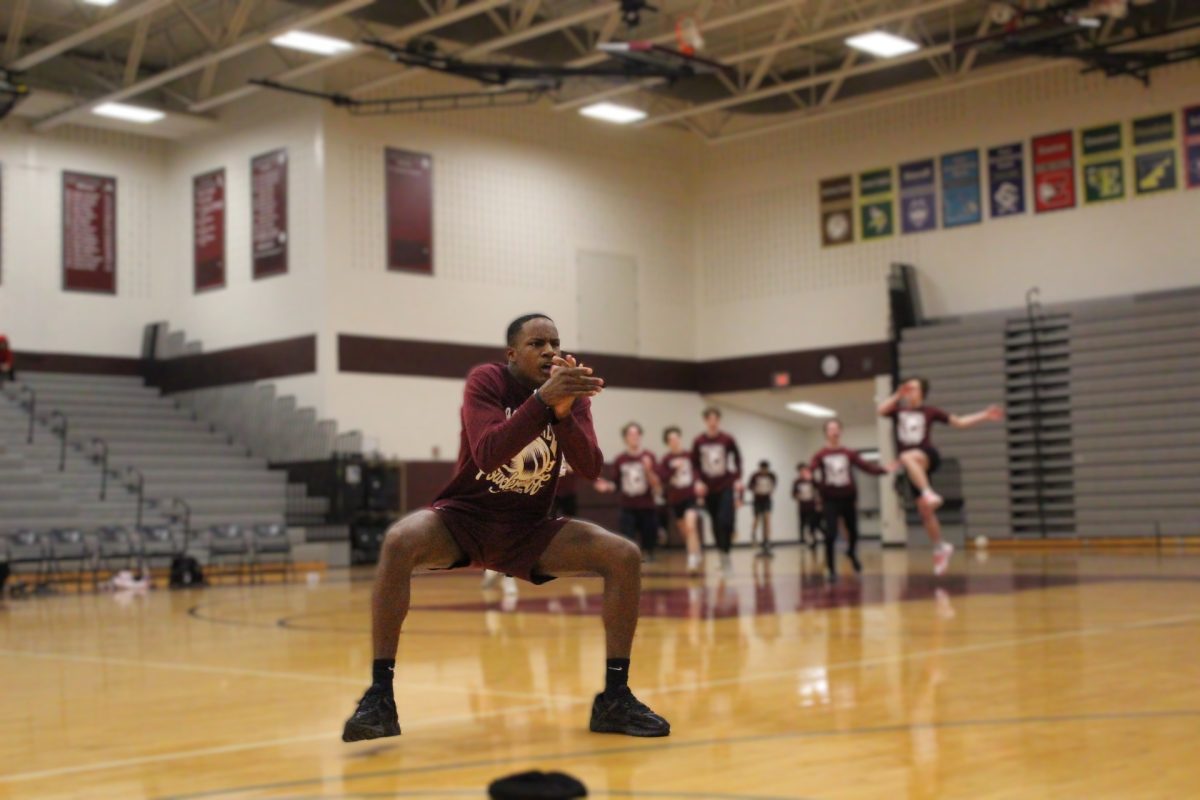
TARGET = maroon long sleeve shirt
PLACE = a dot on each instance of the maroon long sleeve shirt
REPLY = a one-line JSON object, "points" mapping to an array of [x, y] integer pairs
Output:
{"points": [[512, 447]]}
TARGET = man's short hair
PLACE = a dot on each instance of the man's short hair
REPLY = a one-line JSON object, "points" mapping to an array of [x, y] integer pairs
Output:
{"points": [[629, 425], [921, 380], [830, 421], [709, 411], [514, 327], [669, 430], [764, 464]]}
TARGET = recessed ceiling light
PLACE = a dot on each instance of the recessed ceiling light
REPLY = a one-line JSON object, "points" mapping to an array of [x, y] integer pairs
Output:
{"points": [[812, 410], [101, 2], [129, 113], [313, 43], [611, 112], [882, 44]]}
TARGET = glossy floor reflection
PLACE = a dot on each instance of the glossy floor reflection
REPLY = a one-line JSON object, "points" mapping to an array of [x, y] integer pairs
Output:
{"points": [[1055, 674]]}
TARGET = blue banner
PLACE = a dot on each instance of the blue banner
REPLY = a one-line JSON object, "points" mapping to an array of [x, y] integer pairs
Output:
{"points": [[1006, 179], [1191, 145], [918, 196], [960, 189]]}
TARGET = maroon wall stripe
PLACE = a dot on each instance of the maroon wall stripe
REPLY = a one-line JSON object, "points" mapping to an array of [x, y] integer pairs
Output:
{"points": [[26, 361], [383, 356], [254, 362]]}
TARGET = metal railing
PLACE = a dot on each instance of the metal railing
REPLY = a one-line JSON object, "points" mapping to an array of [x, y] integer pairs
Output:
{"points": [[100, 456], [137, 485], [1033, 308], [64, 426], [27, 391], [187, 519]]}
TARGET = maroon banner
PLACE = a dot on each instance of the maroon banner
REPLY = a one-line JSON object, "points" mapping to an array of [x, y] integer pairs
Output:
{"points": [[269, 199], [89, 245], [208, 230], [1054, 172], [409, 211]]}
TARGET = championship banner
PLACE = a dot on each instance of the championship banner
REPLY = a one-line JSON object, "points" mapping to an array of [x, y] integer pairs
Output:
{"points": [[1006, 179], [1191, 145], [1154, 160], [1103, 159], [918, 190], [208, 230], [961, 202], [269, 201], [837, 211], [409, 179], [89, 225], [1053, 172], [877, 210]]}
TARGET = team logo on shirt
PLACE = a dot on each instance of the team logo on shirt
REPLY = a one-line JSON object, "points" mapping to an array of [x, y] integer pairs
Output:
{"points": [[530, 469], [762, 485], [910, 429], [837, 469], [681, 473], [712, 460], [633, 479]]}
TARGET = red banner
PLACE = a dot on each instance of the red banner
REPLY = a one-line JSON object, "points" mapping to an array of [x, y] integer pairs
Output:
{"points": [[269, 200], [89, 245], [208, 230], [1054, 172], [409, 211]]}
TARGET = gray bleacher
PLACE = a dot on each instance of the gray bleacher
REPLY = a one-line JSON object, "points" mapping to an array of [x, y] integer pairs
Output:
{"points": [[1103, 400]]}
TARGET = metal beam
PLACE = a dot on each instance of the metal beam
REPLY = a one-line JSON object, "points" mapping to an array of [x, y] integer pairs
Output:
{"points": [[802, 83], [492, 45], [929, 88], [761, 52], [249, 43], [136, 48], [87, 34], [764, 65], [197, 23], [395, 37], [237, 23], [663, 38], [16, 29]]}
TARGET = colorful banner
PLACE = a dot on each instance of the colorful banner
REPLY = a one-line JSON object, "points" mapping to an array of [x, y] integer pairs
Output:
{"points": [[409, 178], [1154, 160], [1191, 145], [877, 209], [1103, 159], [961, 201], [918, 189], [1, 223], [1006, 179], [837, 211], [208, 230], [89, 224], [269, 201], [1053, 172]]}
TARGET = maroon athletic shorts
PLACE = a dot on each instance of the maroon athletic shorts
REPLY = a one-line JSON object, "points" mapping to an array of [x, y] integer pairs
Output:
{"points": [[509, 547]]}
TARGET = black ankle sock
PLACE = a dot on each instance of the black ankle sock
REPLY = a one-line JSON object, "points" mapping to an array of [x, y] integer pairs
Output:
{"points": [[382, 672], [616, 674]]}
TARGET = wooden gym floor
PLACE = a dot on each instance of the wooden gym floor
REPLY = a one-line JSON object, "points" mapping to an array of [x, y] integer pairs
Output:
{"points": [[1023, 675]]}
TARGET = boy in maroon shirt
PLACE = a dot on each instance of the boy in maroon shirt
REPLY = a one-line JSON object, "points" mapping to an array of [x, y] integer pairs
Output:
{"points": [[636, 480], [839, 493], [914, 428], [717, 460], [804, 492], [519, 421], [679, 476], [762, 486]]}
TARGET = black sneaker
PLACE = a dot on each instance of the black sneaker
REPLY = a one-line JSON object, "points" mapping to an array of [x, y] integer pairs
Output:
{"points": [[855, 562], [621, 712], [374, 718]]}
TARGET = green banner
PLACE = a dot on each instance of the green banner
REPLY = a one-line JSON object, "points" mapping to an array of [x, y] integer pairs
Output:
{"points": [[1103, 163], [877, 212]]}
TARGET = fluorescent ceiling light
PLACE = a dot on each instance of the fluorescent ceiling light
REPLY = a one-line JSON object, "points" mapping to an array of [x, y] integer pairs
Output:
{"points": [[882, 44], [101, 2], [129, 113], [812, 410], [611, 112], [313, 43]]}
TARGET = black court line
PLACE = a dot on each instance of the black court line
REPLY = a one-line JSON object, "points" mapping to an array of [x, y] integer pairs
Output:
{"points": [[660, 746], [477, 793]]}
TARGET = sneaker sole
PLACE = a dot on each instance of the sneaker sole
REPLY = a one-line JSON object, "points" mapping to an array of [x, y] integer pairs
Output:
{"points": [[354, 732], [640, 734]]}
